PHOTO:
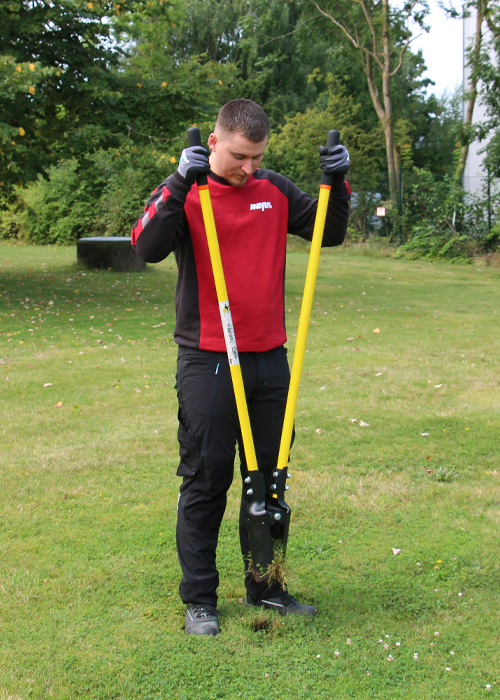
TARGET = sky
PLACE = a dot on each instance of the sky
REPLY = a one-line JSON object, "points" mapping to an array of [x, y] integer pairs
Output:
{"points": [[442, 50]]}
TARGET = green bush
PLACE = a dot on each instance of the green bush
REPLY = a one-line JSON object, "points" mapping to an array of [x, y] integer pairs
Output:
{"points": [[10, 222], [293, 150], [59, 210], [101, 195], [130, 175], [441, 220]]}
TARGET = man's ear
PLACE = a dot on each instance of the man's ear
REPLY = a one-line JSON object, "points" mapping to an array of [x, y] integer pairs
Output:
{"points": [[212, 142]]}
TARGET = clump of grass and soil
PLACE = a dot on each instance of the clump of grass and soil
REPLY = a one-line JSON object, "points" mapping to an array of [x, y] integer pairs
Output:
{"points": [[395, 490], [276, 572]]}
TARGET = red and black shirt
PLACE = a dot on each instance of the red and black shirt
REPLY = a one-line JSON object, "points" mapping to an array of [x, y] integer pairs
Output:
{"points": [[252, 223]]}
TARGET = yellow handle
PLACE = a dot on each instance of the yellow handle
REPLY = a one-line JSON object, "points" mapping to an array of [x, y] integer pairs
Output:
{"points": [[305, 315], [227, 325]]}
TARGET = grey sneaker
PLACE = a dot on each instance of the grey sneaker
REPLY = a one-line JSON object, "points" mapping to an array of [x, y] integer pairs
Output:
{"points": [[202, 619], [285, 604]]}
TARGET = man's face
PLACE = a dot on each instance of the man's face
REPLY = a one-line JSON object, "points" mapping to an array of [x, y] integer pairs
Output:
{"points": [[234, 157]]}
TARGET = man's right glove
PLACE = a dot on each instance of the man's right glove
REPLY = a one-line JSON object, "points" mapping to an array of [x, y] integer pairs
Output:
{"points": [[335, 160], [193, 162]]}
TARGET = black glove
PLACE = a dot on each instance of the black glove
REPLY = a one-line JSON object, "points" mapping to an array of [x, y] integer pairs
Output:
{"points": [[334, 160], [193, 162]]}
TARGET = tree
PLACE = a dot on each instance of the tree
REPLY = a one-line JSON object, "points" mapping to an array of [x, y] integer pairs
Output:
{"points": [[58, 49], [262, 39], [164, 87], [436, 149], [77, 76], [19, 92], [378, 33]]}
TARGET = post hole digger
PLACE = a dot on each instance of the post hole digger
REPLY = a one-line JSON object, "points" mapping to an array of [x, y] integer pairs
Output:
{"points": [[267, 515]]}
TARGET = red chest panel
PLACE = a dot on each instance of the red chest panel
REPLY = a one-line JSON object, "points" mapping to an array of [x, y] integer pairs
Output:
{"points": [[251, 224]]}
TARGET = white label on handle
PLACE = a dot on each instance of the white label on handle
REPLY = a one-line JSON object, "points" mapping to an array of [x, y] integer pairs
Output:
{"points": [[227, 326]]}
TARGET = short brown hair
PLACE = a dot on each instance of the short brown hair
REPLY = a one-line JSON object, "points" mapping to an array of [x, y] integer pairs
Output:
{"points": [[244, 117]]}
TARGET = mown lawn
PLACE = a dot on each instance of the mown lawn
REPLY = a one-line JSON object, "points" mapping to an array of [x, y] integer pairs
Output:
{"points": [[395, 490]]}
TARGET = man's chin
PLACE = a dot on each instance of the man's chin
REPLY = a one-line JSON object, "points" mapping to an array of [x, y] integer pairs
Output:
{"points": [[238, 181]]}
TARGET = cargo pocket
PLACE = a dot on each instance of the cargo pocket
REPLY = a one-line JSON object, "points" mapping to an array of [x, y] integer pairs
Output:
{"points": [[189, 451]]}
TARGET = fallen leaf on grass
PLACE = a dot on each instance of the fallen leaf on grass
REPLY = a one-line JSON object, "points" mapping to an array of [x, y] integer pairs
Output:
{"points": [[396, 551], [363, 424], [376, 330], [319, 431], [437, 386], [48, 384], [59, 404], [353, 420], [424, 434], [379, 374]]}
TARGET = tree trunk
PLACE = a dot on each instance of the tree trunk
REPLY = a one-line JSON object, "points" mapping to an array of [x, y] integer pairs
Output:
{"points": [[386, 85], [384, 110], [472, 88], [375, 58]]}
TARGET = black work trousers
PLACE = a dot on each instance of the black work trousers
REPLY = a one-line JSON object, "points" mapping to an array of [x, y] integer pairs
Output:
{"points": [[208, 434]]}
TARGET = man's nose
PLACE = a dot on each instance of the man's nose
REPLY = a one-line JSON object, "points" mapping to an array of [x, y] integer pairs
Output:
{"points": [[247, 166]]}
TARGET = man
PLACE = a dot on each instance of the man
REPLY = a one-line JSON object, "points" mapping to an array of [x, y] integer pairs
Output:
{"points": [[254, 209]]}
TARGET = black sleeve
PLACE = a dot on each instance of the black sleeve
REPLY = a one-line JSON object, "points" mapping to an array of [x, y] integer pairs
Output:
{"points": [[156, 232], [302, 214], [302, 208]]}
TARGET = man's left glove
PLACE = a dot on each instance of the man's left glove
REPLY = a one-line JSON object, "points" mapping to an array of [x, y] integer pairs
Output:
{"points": [[193, 162], [335, 160]]}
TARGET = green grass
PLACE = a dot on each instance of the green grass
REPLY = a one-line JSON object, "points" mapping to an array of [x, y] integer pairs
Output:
{"points": [[89, 574]]}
